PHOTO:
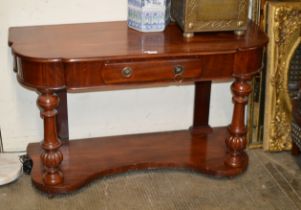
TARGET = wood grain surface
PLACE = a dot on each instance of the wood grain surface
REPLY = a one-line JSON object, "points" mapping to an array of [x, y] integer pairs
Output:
{"points": [[99, 41], [86, 159], [59, 58]]}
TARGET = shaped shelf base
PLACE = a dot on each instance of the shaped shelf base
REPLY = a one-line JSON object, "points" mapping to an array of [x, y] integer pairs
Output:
{"points": [[87, 159]]}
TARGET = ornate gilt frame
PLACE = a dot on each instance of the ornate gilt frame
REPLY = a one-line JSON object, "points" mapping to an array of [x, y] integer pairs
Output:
{"points": [[283, 28]]}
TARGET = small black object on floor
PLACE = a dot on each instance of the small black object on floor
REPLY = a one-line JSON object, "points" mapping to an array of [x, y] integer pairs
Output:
{"points": [[26, 162]]}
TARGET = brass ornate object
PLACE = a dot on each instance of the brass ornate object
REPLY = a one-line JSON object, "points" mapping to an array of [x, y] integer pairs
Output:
{"points": [[203, 15], [284, 24]]}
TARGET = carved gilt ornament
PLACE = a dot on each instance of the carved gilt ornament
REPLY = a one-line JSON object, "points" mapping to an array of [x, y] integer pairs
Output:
{"points": [[284, 23]]}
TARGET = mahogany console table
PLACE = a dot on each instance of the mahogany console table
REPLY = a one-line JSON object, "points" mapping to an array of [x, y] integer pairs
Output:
{"points": [[59, 58]]}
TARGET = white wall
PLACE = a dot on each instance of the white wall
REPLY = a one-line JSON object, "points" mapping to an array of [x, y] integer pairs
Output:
{"points": [[98, 113]]}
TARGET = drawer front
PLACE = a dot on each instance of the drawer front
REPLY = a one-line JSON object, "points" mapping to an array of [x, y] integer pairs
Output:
{"points": [[152, 71]]}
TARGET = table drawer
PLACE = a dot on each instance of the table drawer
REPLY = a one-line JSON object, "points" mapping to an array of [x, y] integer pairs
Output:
{"points": [[152, 71]]}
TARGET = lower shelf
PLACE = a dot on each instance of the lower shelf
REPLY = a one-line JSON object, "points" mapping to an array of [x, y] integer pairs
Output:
{"points": [[87, 159]]}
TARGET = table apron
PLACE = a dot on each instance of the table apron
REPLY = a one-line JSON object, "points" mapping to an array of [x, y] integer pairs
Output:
{"points": [[106, 73]]}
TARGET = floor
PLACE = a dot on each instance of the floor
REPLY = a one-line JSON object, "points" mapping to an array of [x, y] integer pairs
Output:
{"points": [[272, 181]]}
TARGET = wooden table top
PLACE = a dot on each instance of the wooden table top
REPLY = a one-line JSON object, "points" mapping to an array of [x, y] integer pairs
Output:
{"points": [[98, 41]]}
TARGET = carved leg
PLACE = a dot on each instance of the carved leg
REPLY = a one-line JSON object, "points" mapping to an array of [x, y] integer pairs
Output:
{"points": [[236, 142], [51, 157]]}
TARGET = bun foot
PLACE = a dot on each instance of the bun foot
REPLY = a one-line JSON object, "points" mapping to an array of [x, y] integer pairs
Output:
{"points": [[53, 179]]}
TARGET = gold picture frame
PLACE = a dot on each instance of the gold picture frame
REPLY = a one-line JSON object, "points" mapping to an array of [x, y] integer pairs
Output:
{"points": [[283, 29]]}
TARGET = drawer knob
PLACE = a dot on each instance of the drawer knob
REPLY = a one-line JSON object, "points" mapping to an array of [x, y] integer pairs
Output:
{"points": [[178, 70], [127, 72]]}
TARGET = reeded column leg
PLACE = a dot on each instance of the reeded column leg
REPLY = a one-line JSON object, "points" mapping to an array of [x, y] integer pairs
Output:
{"points": [[51, 157], [236, 142]]}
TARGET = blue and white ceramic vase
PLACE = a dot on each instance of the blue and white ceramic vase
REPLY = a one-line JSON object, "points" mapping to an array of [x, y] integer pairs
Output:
{"points": [[148, 15]]}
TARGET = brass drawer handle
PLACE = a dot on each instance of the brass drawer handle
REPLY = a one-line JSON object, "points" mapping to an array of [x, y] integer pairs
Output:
{"points": [[178, 70], [127, 72]]}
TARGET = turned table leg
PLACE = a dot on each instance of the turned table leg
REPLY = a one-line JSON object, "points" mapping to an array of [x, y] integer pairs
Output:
{"points": [[51, 157], [236, 142]]}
